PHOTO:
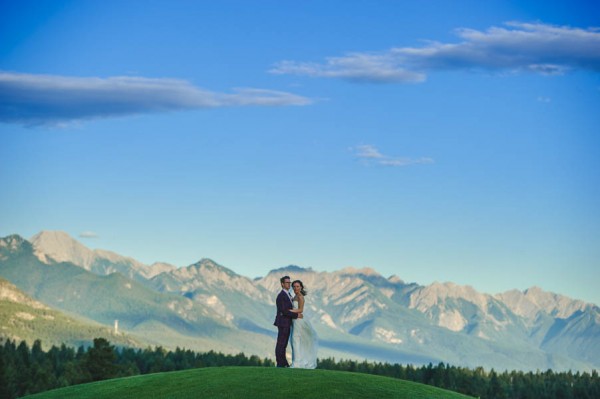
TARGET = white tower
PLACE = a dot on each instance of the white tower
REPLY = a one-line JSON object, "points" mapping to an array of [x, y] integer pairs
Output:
{"points": [[116, 327]]}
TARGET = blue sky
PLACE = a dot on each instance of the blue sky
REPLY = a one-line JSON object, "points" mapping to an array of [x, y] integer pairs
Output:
{"points": [[435, 140]]}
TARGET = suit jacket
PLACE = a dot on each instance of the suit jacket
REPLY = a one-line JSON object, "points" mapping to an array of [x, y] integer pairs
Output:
{"points": [[284, 316]]}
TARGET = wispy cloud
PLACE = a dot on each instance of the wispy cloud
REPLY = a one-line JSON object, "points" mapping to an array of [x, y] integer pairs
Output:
{"points": [[533, 47], [369, 154], [88, 234], [46, 99], [359, 67], [367, 151]]}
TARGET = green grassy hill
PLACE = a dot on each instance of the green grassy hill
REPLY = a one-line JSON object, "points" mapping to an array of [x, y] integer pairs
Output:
{"points": [[252, 382]]}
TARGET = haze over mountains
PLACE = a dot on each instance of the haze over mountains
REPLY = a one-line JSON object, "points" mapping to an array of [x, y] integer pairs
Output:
{"points": [[357, 312]]}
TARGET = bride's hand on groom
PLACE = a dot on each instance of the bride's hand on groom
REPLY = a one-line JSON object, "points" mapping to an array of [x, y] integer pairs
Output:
{"points": [[300, 315]]}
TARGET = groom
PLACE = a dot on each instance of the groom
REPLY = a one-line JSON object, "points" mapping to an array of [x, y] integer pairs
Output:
{"points": [[283, 321]]}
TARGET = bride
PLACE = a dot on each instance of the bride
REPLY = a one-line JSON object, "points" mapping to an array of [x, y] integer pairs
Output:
{"points": [[304, 337]]}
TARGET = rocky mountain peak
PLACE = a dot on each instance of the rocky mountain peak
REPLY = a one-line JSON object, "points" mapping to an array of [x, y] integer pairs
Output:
{"points": [[160, 267], [290, 269], [395, 279], [366, 274], [11, 241], [207, 262], [206, 275], [206, 270], [533, 300], [271, 281], [61, 247], [437, 293], [12, 244], [209, 266]]}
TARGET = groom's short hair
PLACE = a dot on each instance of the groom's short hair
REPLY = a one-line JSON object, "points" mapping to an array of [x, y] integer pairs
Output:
{"points": [[281, 280]]}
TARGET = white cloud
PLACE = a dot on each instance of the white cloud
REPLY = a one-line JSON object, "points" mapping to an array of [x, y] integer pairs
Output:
{"points": [[368, 151], [533, 47], [261, 97], [369, 154], [46, 99], [357, 67]]}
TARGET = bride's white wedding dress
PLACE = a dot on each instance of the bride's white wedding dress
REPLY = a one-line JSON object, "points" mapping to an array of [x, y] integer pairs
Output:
{"points": [[304, 343]]}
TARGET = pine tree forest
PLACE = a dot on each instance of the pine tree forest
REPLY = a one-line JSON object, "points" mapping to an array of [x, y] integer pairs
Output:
{"points": [[25, 370]]}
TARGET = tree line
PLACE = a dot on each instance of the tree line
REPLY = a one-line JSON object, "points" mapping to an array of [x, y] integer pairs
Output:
{"points": [[26, 370], [481, 383]]}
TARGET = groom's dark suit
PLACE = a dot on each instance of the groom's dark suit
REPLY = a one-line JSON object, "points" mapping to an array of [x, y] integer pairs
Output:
{"points": [[283, 321]]}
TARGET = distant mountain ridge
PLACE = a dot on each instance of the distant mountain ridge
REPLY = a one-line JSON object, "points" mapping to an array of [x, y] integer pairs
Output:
{"points": [[357, 312], [534, 300], [58, 246], [156, 318]]}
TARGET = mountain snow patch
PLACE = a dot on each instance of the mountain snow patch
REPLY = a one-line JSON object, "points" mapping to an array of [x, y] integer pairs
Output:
{"points": [[387, 336]]}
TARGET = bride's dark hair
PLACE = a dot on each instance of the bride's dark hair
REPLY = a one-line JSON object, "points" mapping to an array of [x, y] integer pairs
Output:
{"points": [[302, 290]]}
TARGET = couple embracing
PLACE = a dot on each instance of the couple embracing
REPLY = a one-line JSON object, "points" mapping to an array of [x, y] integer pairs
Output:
{"points": [[290, 321]]}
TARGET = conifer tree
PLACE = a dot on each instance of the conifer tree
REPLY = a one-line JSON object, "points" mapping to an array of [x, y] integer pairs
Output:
{"points": [[4, 382], [100, 360]]}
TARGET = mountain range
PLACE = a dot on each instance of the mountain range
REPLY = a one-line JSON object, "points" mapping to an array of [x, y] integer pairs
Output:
{"points": [[357, 313]]}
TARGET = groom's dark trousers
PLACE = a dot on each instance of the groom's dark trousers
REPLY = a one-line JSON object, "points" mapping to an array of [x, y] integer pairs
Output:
{"points": [[283, 321]]}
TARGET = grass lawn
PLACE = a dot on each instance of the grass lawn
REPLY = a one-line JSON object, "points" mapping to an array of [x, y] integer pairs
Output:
{"points": [[251, 382]]}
